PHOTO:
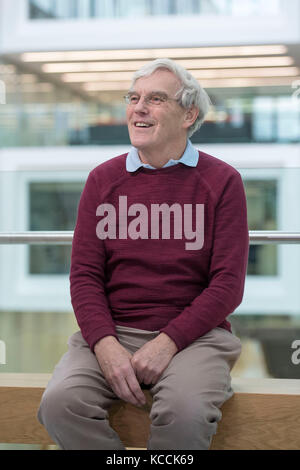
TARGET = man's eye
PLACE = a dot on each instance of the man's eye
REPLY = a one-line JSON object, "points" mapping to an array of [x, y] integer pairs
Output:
{"points": [[134, 99], [156, 99]]}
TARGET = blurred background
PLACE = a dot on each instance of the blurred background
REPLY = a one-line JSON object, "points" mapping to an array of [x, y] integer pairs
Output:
{"points": [[65, 66]]}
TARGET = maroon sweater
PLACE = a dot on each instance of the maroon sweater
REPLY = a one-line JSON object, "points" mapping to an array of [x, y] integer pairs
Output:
{"points": [[156, 283]]}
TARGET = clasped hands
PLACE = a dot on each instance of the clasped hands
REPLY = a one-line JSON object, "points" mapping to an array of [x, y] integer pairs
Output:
{"points": [[125, 372]]}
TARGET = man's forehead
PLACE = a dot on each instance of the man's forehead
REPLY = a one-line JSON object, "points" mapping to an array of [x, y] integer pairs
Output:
{"points": [[162, 80], [152, 92]]}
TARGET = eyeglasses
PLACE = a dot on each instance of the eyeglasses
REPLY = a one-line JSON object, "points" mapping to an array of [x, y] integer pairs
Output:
{"points": [[153, 99]]}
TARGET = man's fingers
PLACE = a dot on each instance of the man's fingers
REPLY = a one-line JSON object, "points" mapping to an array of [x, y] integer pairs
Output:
{"points": [[128, 389], [132, 396], [114, 361], [135, 389], [145, 373]]}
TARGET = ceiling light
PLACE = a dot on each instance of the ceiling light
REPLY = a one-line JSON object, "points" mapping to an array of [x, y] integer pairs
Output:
{"points": [[254, 72], [32, 88], [106, 76], [27, 78], [7, 69], [152, 53], [199, 74], [212, 83], [237, 62], [92, 66], [247, 82], [189, 64], [113, 86]]}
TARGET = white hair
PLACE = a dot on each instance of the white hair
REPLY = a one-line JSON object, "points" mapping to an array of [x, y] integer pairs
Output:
{"points": [[190, 94]]}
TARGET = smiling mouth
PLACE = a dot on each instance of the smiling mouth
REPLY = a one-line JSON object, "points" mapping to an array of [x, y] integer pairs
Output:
{"points": [[142, 125]]}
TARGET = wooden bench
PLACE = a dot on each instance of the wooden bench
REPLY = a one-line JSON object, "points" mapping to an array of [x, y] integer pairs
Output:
{"points": [[263, 414]]}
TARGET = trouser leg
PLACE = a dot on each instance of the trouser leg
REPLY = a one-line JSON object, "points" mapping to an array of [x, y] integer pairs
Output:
{"points": [[190, 392], [186, 403], [74, 405]]}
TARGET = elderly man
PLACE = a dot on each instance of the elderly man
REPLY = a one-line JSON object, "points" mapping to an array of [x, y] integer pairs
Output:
{"points": [[159, 260]]}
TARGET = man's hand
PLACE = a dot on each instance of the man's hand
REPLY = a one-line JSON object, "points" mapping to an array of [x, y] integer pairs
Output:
{"points": [[115, 364], [150, 360]]}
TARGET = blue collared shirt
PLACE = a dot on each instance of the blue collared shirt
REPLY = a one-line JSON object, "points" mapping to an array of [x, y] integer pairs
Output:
{"points": [[190, 158]]}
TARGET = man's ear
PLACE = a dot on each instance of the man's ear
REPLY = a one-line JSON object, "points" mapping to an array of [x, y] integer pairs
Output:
{"points": [[190, 117]]}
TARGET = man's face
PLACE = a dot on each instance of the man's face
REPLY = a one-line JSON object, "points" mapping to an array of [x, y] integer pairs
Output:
{"points": [[165, 122]]}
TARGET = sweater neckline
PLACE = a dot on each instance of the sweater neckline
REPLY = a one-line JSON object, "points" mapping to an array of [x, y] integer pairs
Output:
{"points": [[168, 169]]}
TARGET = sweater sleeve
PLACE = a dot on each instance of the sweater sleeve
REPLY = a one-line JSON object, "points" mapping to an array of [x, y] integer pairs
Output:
{"points": [[227, 272], [87, 272]]}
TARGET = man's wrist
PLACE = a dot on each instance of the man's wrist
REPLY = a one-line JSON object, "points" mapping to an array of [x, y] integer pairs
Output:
{"points": [[169, 342], [105, 341]]}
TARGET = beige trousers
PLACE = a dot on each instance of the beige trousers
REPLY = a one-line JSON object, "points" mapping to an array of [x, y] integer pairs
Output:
{"points": [[186, 399]]}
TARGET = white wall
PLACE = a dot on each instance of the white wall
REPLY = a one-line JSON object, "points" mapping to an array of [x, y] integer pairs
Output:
{"points": [[77, 157], [19, 34]]}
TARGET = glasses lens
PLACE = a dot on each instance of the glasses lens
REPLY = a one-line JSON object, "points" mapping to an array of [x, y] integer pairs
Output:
{"points": [[132, 99]]}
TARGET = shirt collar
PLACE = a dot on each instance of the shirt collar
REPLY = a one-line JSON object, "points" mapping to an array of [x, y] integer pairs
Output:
{"points": [[189, 158]]}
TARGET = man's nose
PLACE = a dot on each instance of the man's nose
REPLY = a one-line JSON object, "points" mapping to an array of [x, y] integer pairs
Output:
{"points": [[142, 105]]}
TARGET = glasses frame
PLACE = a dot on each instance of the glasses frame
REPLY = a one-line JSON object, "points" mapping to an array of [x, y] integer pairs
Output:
{"points": [[165, 99]]}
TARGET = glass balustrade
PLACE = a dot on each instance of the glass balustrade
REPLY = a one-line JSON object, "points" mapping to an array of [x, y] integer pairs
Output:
{"points": [[36, 317]]}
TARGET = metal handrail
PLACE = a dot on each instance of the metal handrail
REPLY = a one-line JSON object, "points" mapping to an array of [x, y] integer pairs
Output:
{"points": [[65, 237], [36, 238]]}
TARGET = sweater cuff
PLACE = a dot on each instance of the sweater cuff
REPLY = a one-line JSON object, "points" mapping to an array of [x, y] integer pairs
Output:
{"points": [[98, 334], [180, 341]]}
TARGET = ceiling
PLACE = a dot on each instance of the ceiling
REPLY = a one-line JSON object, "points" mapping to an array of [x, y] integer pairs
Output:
{"points": [[101, 74]]}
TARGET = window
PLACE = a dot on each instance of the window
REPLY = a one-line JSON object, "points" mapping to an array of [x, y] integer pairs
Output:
{"points": [[55, 9], [262, 204], [53, 206], [264, 119]]}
